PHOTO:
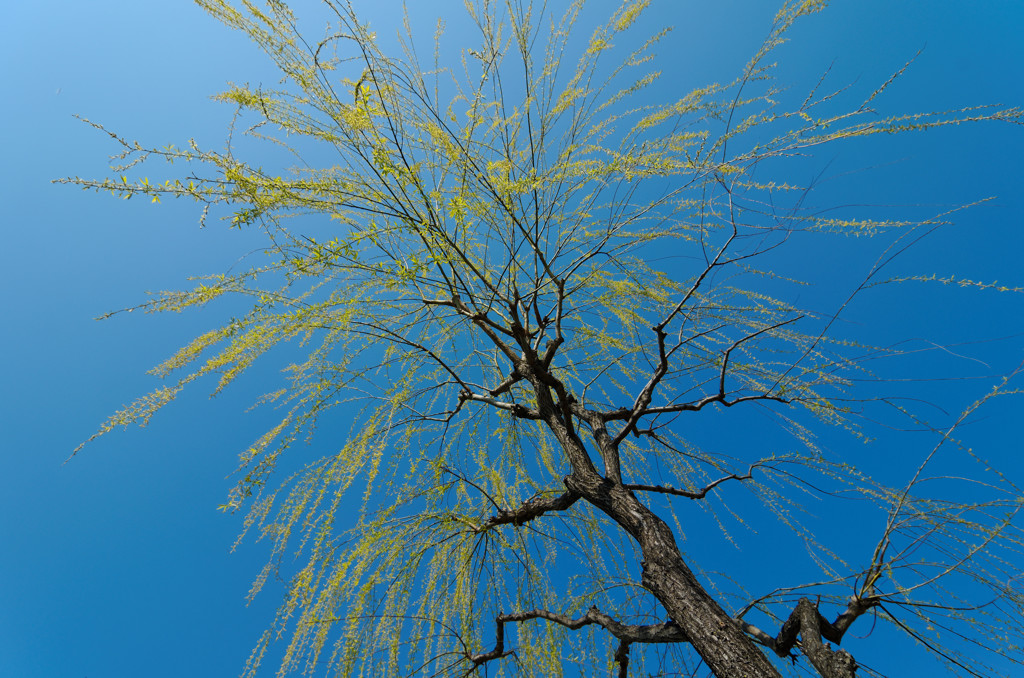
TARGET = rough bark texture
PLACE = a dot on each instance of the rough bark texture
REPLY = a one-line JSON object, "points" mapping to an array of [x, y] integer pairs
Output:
{"points": [[727, 645], [715, 636], [811, 626]]}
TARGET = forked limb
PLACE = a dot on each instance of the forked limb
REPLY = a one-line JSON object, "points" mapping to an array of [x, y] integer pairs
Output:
{"points": [[666, 632], [807, 623]]}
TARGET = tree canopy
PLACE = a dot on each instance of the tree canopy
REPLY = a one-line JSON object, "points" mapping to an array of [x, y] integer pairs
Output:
{"points": [[539, 284]]}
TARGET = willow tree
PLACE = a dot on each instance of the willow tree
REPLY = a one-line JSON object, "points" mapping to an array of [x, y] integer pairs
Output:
{"points": [[528, 285]]}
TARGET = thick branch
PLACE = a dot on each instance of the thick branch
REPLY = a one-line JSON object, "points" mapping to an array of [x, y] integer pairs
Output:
{"points": [[517, 409], [532, 508], [506, 385], [714, 634], [811, 627], [622, 657], [608, 448]]}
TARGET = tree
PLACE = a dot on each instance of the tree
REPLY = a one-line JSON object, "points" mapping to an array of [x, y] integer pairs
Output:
{"points": [[526, 283]]}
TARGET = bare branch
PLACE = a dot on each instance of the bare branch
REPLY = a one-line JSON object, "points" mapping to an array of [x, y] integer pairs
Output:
{"points": [[517, 409], [699, 494], [807, 622], [532, 508], [736, 344], [622, 657], [812, 627], [666, 632], [641, 405]]}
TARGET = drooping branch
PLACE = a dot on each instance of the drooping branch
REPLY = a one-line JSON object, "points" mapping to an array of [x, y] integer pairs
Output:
{"points": [[736, 344], [666, 632]]}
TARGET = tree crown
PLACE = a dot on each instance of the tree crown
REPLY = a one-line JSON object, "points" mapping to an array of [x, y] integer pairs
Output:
{"points": [[521, 276]]}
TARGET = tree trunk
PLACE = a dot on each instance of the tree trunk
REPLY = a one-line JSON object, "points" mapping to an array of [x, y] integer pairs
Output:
{"points": [[716, 636]]}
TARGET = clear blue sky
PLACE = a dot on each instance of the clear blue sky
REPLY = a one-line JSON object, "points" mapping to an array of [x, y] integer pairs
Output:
{"points": [[117, 564]]}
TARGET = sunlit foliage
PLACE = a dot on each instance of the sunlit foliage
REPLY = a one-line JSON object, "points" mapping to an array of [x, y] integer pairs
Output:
{"points": [[538, 200]]}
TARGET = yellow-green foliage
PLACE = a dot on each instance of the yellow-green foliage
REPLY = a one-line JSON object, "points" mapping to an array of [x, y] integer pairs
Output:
{"points": [[466, 194]]}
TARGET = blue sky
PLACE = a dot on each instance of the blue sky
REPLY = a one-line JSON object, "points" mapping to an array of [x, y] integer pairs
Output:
{"points": [[118, 564]]}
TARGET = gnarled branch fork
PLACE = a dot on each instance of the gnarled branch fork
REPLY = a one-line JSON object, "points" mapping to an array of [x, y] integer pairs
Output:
{"points": [[812, 628]]}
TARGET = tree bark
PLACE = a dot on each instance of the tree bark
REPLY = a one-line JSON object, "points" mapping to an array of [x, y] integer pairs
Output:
{"points": [[811, 626], [715, 636]]}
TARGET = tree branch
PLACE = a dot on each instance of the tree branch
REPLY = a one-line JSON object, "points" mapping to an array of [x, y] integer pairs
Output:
{"points": [[521, 411], [666, 632], [641, 405], [808, 623], [699, 494], [530, 509], [622, 657], [692, 406], [812, 627]]}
